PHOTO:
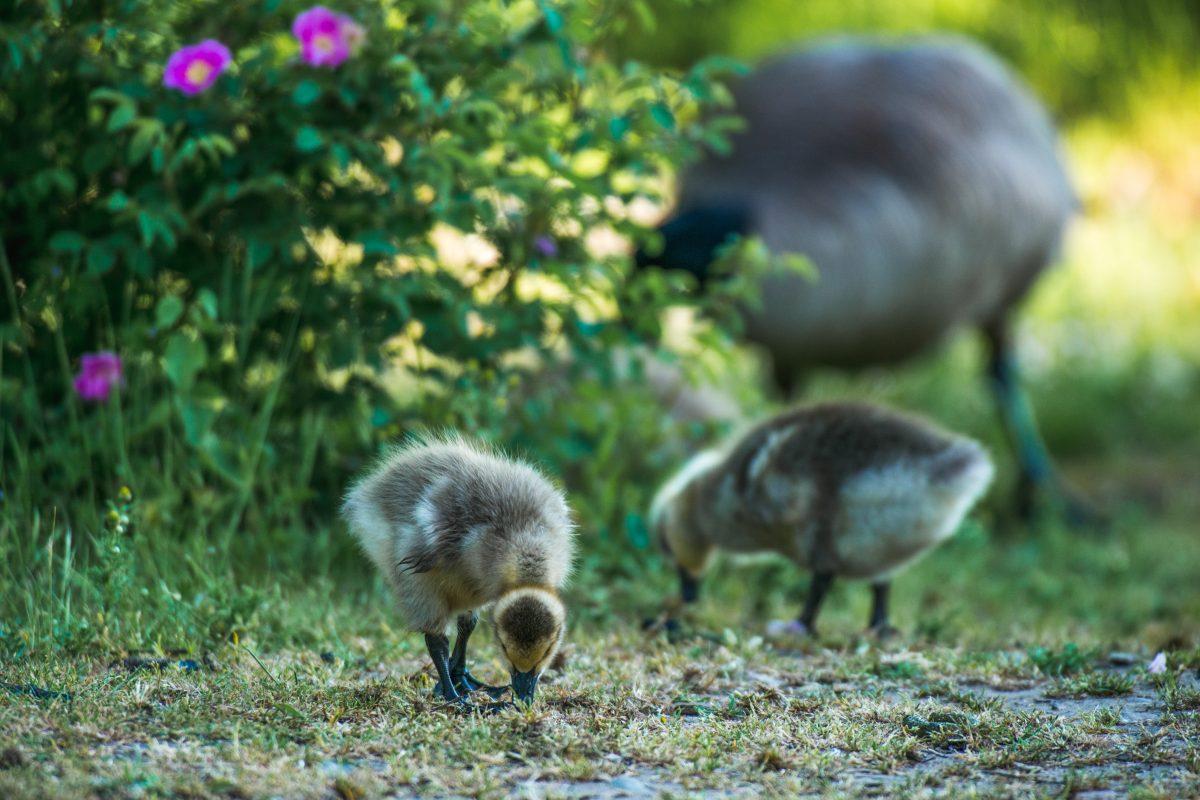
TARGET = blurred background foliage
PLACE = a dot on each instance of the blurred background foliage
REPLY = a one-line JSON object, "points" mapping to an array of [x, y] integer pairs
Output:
{"points": [[1083, 57], [300, 265]]}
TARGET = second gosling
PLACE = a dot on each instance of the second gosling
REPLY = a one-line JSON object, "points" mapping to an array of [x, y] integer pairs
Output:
{"points": [[455, 527], [843, 489]]}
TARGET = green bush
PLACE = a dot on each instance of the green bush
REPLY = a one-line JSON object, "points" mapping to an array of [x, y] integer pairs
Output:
{"points": [[273, 259], [262, 255]]}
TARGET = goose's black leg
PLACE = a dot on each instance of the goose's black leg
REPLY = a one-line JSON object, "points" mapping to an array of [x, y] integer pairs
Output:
{"points": [[464, 682], [439, 652], [821, 581], [1037, 474], [879, 624], [785, 379]]}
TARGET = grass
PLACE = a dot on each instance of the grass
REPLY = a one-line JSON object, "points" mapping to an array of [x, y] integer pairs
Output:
{"points": [[1002, 682], [682, 719]]}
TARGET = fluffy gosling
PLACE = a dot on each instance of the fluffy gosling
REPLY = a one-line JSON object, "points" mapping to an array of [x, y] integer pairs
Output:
{"points": [[843, 489], [455, 527]]}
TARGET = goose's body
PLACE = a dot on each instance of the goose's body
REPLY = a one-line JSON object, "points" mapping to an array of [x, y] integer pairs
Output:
{"points": [[453, 527], [843, 489], [921, 178]]}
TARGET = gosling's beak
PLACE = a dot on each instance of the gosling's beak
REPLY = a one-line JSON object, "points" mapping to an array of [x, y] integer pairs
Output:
{"points": [[524, 684]]}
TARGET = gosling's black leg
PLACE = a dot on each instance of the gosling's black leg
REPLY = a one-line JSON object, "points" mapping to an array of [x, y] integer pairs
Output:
{"points": [[439, 652], [821, 581], [879, 624], [464, 682], [689, 592], [689, 587], [1037, 473]]}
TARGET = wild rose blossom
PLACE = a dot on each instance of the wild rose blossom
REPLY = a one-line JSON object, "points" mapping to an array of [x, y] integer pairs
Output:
{"points": [[1158, 666], [326, 37], [354, 34], [98, 374], [194, 68]]}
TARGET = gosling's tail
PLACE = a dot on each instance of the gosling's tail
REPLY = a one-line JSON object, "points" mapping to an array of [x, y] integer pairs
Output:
{"points": [[964, 470]]}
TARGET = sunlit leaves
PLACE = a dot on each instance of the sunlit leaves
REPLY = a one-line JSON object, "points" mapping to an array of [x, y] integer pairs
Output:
{"points": [[272, 248]]}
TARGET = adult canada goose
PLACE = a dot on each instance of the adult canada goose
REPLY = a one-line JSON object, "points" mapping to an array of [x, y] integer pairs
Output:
{"points": [[455, 527], [925, 183], [843, 489]]}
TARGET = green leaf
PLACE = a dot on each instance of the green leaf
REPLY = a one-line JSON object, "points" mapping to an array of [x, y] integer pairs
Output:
{"points": [[67, 242], [118, 201], [185, 154], [343, 350], [121, 117], [554, 20], [168, 311], [183, 359], [663, 115], [309, 139], [635, 529], [206, 299], [97, 157], [377, 243], [257, 253], [100, 259], [146, 225], [111, 95], [306, 92], [618, 127], [197, 418], [139, 146]]}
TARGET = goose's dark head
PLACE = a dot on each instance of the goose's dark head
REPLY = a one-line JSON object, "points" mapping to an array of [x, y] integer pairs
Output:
{"points": [[692, 237]]}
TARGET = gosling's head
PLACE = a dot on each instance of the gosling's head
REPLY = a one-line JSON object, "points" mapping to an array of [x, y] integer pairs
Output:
{"points": [[673, 516], [529, 624]]}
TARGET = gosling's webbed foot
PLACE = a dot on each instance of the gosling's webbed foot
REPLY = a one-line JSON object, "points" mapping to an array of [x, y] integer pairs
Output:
{"points": [[789, 629], [678, 632], [462, 703], [465, 683], [450, 695], [883, 631], [667, 623]]}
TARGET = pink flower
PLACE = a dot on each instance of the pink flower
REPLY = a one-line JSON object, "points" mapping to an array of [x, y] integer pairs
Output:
{"points": [[354, 34], [98, 374], [1158, 666], [326, 37], [194, 68]]}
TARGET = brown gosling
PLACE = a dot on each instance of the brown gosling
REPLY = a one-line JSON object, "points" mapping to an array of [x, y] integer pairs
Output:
{"points": [[454, 527], [842, 489]]}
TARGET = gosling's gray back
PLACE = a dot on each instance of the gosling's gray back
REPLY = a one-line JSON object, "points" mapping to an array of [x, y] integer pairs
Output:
{"points": [[849, 488], [921, 177]]}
